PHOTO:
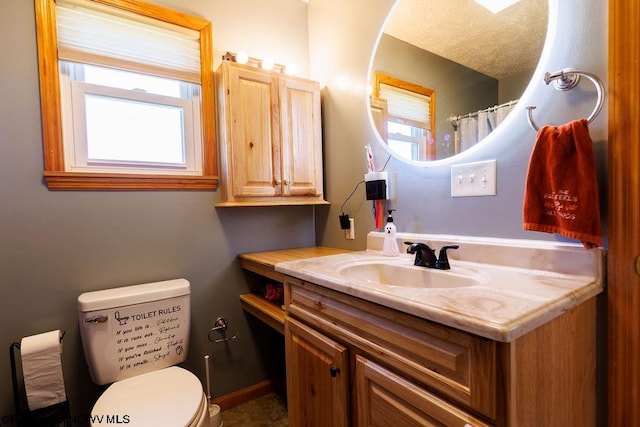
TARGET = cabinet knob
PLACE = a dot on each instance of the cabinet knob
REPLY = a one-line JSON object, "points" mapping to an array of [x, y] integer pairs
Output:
{"points": [[278, 182], [334, 371]]}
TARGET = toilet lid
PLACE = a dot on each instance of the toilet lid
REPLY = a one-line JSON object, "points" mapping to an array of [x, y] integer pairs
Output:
{"points": [[168, 397]]}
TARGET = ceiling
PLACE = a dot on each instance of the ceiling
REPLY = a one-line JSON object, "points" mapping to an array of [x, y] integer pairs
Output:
{"points": [[464, 32]]}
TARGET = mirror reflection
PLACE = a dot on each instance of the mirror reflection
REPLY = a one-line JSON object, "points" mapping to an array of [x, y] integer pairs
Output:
{"points": [[447, 72]]}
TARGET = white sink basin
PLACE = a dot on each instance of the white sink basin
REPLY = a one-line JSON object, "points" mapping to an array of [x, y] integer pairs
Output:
{"points": [[500, 289], [391, 274]]}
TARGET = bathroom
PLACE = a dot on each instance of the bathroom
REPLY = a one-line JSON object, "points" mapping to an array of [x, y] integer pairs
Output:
{"points": [[59, 244]]}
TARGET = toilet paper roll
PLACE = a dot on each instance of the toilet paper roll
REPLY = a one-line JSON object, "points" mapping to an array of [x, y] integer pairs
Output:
{"points": [[42, 369], [215, 416]]}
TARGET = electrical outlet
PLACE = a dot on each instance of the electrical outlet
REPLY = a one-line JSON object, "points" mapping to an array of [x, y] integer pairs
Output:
{"points": [[474, 179], [350, 233]]}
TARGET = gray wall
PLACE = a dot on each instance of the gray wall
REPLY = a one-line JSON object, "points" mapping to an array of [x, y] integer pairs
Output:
{"points": [[56, 245], [422, 198], [513, 86]]}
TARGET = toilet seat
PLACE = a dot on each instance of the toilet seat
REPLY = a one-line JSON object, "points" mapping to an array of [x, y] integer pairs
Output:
{"points": [[168, 397]]}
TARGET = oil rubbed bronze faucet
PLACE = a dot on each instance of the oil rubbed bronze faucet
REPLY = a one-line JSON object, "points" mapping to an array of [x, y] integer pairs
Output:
{"points": [[426, 257]]}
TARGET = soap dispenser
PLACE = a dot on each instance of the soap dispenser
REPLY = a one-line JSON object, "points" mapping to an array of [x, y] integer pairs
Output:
{"points": [[390, 246]]}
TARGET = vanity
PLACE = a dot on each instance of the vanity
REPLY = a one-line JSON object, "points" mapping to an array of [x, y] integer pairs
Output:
{"points": [[507, 337]]}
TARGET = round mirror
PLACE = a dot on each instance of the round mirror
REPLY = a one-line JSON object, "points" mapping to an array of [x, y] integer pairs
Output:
{"points": [[446, 73]]}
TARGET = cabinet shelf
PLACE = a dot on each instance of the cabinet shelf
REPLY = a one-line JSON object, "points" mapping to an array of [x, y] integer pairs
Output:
{"points": [[271, 203], [263, 264], [270, 313]]}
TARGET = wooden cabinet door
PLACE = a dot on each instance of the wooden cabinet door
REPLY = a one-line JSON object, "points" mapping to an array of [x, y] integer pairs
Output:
{"points": [[301, 137], [255, 132], [385, 399], [317, 378]]}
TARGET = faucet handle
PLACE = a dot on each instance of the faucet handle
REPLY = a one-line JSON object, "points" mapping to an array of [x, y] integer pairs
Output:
{"points": [[412, 247], [443, 260], [425, 256]]}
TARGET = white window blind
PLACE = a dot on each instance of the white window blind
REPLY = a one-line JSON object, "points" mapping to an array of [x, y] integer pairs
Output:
{"points": [[406, 104], [103, 35]]}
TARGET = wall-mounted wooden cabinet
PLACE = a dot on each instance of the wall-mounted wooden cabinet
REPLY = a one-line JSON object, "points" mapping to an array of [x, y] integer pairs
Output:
{"points": [[270, 137]]}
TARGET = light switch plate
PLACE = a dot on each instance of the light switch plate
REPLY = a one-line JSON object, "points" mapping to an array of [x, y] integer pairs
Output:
{"points": [[474, 179]]}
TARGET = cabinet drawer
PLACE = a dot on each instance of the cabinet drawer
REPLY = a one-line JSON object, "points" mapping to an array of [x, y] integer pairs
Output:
{"points": [[385, 399], [457, 364]]}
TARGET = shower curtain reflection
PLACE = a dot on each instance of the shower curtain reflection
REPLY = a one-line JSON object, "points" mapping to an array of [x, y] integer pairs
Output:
{"points": [[471, 128]]}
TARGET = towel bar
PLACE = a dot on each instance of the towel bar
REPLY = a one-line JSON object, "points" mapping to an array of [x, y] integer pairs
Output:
{"points": [[567, 79]]}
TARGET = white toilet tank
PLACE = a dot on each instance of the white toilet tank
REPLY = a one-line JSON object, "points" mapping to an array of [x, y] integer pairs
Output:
{"points": [[136, 329]]}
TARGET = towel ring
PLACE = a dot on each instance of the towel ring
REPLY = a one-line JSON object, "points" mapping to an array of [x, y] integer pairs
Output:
{"points": [[567, 79]]}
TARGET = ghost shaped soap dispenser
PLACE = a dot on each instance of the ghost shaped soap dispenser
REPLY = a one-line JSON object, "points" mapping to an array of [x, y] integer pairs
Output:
{"points": [[390, 245]]}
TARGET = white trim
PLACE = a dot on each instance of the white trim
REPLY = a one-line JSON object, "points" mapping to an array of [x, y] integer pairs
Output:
{"points": [[73, 95]]}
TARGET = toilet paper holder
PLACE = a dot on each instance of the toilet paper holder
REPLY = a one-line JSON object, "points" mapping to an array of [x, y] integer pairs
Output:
{"points": [[220, 327], [60, 412]]}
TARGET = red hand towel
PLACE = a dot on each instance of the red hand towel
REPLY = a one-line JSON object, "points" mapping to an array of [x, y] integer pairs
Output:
{"points": [[561, 193]]}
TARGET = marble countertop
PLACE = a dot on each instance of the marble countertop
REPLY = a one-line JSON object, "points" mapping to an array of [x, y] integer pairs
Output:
{"points": [[520, 285]]}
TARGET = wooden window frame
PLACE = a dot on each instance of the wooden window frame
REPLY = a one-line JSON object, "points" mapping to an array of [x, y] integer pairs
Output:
{"points": [[55, 174], [428, 152]]}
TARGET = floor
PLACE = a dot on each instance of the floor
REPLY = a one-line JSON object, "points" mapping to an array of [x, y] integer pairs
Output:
{"points": [[266, 411]]}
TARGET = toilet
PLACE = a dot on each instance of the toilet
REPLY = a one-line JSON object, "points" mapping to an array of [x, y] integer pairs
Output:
{"points": [[132, 338]]}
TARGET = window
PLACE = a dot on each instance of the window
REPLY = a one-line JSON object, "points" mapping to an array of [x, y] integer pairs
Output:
{"points": [[409, 117], [127, 98], [406, 140]]}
